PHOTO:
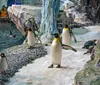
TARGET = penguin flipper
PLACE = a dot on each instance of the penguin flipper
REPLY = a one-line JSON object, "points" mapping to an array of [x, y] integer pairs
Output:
{"points": [[85, 53], [73, 36], [74, 49], [67, 47]]}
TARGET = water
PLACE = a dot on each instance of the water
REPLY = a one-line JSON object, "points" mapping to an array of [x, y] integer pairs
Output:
{"points": [[5, 40]]}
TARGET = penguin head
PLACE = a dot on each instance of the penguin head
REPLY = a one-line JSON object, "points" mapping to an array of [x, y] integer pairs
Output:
{"points": [[29, 29], [2, 55], [56, 35], [66, 25]]}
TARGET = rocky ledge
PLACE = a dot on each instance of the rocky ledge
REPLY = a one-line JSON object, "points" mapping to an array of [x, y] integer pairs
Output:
{"points": [[19, 56], [90, 75]]}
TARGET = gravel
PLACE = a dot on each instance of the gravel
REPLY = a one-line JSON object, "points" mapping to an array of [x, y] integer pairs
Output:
{"points": [[19, 56]]}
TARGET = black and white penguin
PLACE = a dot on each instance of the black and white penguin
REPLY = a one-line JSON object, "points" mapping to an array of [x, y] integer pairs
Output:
{"points": [[56, 51], [3, 62], [66, 35], [30, 38], [66, 38], [89, 43]]}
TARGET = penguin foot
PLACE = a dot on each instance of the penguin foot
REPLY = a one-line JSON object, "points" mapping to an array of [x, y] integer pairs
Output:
{"points": [[58, 66], [30, 47], [51, 66], [83, 47], [85, 53]]}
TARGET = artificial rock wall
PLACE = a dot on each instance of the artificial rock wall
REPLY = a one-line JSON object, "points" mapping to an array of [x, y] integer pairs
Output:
{"points": [[49, 17], [19, 14], [32, 2], [90, 75], [3, 2]]}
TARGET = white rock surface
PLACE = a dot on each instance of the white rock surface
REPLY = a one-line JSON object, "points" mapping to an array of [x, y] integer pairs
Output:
{"points": [[93, 33], [18, 9], [38, 72], [70, 8], [24, 12]]}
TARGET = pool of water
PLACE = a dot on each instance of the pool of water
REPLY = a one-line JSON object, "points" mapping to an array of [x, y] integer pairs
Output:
{"points": [[5, 40]]}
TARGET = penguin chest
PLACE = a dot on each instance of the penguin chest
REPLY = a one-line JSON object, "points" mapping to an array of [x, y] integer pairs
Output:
{"points": [[66, 37], [31, 39], [3, 64], [56, 52]]}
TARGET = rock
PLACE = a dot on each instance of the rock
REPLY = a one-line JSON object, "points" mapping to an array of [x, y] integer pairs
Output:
{"points": [[3, 2], [98, 64], [49, 16], [93, 54], [32, 2], [21, 14], [90, 75], [46, 38], [19, 56]]}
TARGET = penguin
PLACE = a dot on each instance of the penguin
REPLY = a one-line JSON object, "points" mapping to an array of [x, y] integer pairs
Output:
{"points": [[3, 63], [56, 51], [89, 43], [89, 50], [11, 35], [30, 38], [66, 35], [66, 38]]}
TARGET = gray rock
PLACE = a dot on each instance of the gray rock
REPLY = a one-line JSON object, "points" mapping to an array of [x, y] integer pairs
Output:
{"points": [[19, 56]]}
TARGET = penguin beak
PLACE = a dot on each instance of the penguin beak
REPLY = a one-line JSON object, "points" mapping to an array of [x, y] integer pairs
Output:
{"points": [[55, 34], [67, 47]]}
